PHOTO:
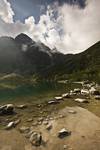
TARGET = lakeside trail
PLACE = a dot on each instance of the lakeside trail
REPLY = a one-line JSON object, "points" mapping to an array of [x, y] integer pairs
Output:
{"points": [[84, 127]]}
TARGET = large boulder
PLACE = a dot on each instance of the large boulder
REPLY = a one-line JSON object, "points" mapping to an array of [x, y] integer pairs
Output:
{"points": [[94, 91], [63, 133], [7, 109], [36, 139]]}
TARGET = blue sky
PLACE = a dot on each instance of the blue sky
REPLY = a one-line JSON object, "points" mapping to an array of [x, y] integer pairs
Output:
{"points": [[26, 8]]}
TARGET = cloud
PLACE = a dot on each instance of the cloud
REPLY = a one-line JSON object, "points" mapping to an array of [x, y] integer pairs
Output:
{"points": [[6, 12], [80, 26], [69, 28]]}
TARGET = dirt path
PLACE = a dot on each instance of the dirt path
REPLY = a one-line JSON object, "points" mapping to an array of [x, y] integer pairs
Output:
{"points": [[84, 127]]}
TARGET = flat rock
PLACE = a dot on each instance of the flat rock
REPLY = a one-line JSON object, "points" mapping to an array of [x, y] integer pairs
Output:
{"points": [[24, 129], [21, 106], [66, 95], [80, 100], [59, 98], [53, 102]]}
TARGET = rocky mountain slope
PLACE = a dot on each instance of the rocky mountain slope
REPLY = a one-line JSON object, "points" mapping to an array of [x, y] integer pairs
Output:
{"points": [[24, 56]]}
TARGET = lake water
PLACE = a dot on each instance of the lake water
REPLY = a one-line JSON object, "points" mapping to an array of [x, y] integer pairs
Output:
{"points": [[31, 92]]}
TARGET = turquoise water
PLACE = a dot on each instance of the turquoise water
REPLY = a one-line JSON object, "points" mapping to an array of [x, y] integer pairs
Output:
{"points": [[33, 92]]}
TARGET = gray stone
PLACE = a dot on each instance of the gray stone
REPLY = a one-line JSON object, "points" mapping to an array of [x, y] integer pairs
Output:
{"points": [[34, 123], [10, 125], [94, 91], [49, 126], [53, 102], [40, 119], [80, 100], [66, 95], [45, 122], [65, 147], [97, 97], [77, 90], [21, 106], [24, 129], [36, 139], [85, 92], [16, 122], [72, 111], [58, 98], [7, 109], [30, 120], [63, 133]]}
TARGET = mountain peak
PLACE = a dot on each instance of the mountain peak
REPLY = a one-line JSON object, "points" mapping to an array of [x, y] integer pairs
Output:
{"points": [[23, 39]]}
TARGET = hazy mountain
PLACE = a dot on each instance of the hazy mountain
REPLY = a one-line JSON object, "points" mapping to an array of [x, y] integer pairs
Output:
{"points": [[22, 55], [25, 56]]}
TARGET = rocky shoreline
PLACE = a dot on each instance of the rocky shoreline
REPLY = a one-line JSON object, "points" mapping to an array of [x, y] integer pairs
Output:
{"points": [[33, 127]]}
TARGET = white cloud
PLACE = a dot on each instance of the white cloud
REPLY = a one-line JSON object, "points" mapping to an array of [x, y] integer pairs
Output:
{"points": [[6, 11], [72, 31], [80, 26]]}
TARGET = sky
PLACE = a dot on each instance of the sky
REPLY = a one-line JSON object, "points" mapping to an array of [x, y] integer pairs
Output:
{"points": [[71, 26]]}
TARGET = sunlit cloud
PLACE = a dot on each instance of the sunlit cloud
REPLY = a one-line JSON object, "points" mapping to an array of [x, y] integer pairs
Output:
{"points": [[68, 28]]}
